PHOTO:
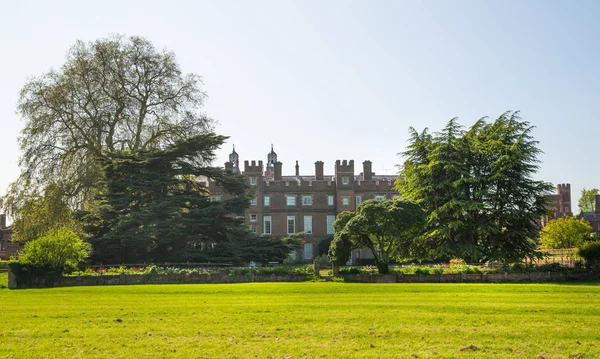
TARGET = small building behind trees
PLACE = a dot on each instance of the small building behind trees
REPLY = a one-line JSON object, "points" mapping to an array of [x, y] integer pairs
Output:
{"points": [[7, 247]]}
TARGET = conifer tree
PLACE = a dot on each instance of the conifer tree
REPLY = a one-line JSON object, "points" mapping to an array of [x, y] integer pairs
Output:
{"points": [[154, 208], [477, 188]]}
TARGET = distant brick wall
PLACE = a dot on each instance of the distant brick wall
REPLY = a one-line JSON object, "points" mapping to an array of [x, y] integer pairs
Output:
{"points": [[129, 279], [470, 278]]}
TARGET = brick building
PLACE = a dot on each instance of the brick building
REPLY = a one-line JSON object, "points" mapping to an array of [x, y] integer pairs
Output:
{"points": [[593, 217], [7, 247], [559, 203], [308, 203]]}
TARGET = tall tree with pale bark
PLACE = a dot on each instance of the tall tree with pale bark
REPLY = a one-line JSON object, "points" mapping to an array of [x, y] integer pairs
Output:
{"points": [[117, 94]]}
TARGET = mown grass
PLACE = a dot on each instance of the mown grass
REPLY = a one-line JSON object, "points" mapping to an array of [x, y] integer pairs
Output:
{"points": [[303, 320], [3, 280]]}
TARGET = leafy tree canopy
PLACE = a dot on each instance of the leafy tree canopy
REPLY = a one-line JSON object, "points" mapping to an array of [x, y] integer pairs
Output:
{"points": [[110, 95], [476, 186], [566, 232], [59, 249], [587, 202], [42, 214], [388, 228]]}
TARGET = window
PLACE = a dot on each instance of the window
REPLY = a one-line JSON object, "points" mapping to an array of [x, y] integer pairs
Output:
{"points": [[253, 229], [252, 218], [345, 201], [330, 200], [291, 200], [308, 247], [215, 198], [291, 225], [267, 225], [379, 198], [253, 201], [358, 200], [566, 209], [308, 224], [330, 220], [267, 201], [253, 181], [307, 200], [241, 219], [345, 180]]}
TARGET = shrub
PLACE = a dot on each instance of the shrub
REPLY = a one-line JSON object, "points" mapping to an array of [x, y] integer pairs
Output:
{"points": [[590, 251], [359, 270], [3, 265], [457, 262], [60, 250], [322, 260]]}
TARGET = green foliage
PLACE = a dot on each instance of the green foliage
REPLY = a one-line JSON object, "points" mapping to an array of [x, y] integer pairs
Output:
{"points": [[359, 270], [154, 208], [4, 265], [566, 232], [60, 250], [590, 251], [587, 201], [154, 270], [457, 262], [112, 95], [477, 189], [390, 229], [42, 214], [464, 269], [322, 260]]}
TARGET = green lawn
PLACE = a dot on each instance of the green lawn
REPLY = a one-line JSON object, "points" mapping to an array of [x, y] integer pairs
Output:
{"points": [[3, 280], [303, 320]]}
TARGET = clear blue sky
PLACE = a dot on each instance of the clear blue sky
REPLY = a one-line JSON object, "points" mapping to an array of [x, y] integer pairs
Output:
{"points": [[327, 80]]}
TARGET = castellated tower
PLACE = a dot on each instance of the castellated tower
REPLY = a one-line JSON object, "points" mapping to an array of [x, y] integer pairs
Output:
{"points": [[344, 172], [564, 200]]}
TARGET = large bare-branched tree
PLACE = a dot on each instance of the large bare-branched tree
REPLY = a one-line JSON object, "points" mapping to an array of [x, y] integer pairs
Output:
{"points": [[114, 94]]}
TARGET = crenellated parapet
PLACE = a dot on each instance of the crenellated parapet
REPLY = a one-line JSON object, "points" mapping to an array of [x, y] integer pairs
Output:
{"points": [[344, 166], [251, 167]]}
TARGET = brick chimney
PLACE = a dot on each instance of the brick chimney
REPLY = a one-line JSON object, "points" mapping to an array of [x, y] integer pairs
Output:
{"points": [[319, 170], [297, 169], [277, 176], [229, 166], [367, 171], [2, 221]]}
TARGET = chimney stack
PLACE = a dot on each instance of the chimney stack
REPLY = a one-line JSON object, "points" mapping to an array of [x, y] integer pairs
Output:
{"points": [[277, 176], [2, 221], [367, 171], [319, 170], [228, 166], [297, 169]]}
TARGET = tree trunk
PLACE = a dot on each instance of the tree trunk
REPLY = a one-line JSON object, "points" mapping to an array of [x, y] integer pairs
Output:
{"points": [[383, 267]]}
